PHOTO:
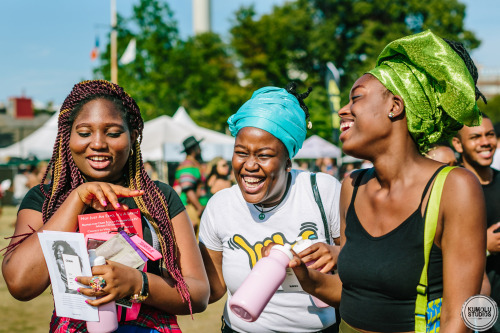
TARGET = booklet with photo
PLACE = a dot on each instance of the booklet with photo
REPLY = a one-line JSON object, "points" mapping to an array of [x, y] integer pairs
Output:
{"points": [[66, 257]]}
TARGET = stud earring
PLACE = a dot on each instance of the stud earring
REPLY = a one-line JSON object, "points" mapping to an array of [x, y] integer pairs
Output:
{"points": [[391, 115]]}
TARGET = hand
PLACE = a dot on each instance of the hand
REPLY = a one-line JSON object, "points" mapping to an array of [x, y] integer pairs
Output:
{"points": [[99, 194], [325, 256], [121, 282], [493, 238]]}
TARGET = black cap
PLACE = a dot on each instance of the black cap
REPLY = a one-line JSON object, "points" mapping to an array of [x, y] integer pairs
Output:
{"points": [[189, 143]]}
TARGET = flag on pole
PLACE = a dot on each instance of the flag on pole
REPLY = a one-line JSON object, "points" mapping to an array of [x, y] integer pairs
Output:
{"points": [[95, 51], [129, 54], [332, 87]]}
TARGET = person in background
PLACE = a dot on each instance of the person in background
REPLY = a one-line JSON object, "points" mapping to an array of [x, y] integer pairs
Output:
{"points": [[329, 166], [191, 179], [442, 152], [496, 157], [218, 175], [271, 203], [97, 166], [20, 184], [419, 93], [476, 146]]}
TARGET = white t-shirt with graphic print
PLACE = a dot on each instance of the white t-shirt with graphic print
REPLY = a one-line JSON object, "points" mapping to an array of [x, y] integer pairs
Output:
{"points": [[231, 225]]}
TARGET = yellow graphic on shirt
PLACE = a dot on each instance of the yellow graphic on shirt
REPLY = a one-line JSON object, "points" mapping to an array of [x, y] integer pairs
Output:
{"points": [[254, 252]]}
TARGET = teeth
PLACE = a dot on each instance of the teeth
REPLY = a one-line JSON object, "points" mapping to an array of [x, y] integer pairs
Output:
{"points": [[98, 158], [252, 180], [345, 126]]}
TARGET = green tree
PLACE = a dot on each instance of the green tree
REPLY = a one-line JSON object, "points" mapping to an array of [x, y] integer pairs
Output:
{"points": [[168, 72], [492, 109], [296, 40]]}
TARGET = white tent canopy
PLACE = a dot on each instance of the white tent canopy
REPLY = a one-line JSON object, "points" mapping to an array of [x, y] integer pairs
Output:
{"points": [[317, 147], [163, 138], [40, 143]]}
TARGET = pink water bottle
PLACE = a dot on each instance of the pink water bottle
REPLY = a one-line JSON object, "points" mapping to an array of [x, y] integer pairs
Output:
{"points": [[260, 285], [301, 245], [108, 321]]}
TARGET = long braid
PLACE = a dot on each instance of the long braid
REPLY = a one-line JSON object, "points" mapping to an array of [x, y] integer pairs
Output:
{"points": [[66, 176], [459, 48], [291, 88]]}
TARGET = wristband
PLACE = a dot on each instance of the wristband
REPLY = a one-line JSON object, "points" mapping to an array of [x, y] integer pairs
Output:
{"points": [[139, 298]]}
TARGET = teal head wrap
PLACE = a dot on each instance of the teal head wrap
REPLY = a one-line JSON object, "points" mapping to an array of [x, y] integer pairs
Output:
{"points": [[436, 86], [276, 111]]}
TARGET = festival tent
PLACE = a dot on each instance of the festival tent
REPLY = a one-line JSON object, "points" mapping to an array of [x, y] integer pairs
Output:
{"points": [[163, 138], [317, 147], [39, 143]]}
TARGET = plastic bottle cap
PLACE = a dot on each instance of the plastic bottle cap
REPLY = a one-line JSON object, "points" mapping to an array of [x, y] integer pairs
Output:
{"points": [[285, 249], [99, 260], [302, 244]]}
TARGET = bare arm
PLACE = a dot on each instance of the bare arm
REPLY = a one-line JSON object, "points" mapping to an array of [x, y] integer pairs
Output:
{"points": [[213, 265], [24, 269], [462, 235]]}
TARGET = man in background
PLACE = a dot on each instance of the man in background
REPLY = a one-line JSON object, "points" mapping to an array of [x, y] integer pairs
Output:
{"points": [[191, 179], [477, 146]]}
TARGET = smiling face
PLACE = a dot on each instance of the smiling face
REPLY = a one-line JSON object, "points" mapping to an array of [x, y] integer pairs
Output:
{"points": [[365, 119], [260, 162], [476, 144], [100, 141], [59, 251]]}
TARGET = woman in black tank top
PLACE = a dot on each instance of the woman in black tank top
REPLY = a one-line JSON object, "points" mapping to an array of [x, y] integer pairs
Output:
{"points": [[395, 112]]}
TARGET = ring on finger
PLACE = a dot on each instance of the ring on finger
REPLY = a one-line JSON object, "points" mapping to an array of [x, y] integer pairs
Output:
{"points": [[97, 283]]}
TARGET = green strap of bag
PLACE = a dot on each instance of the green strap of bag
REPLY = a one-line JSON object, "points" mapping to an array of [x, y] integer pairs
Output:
{"points": [[431, 218]]}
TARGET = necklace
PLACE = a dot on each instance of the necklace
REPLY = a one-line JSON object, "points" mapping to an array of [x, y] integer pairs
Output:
{"points": [[263, 212]]}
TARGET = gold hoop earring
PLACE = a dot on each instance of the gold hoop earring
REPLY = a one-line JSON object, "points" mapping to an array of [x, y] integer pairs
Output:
{"points": [[131, 151]]}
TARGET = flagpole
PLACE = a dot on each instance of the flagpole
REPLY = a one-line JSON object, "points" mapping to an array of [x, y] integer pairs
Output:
{"points": [[114, 65]]}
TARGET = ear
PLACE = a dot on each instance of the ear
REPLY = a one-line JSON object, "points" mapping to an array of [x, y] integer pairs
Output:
{"points": [[288, 165], [134, 134], [457, 144], [398, 106]]}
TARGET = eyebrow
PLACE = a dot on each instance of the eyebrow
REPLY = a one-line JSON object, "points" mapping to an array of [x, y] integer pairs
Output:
{"points": [[108, 125]]}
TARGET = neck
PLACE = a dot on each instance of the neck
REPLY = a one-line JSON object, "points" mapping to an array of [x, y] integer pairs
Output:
{"points": [[281, 197], [483, 173]]}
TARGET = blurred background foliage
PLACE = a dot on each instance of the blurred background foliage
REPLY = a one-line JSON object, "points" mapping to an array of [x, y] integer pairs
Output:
{"points": [[212, 77]]}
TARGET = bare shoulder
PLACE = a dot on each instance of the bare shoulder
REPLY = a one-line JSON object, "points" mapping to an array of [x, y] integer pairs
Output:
{"points": [[462, 192], [461, 181]]}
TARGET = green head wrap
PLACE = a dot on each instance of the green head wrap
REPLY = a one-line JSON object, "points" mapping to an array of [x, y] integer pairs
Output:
{"points": [[436, 86]]}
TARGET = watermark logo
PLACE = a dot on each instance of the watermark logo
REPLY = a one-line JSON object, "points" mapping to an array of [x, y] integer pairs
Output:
{"points": [[479, 312]]}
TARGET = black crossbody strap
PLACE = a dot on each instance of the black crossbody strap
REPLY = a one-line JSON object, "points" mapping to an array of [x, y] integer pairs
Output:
{"points": [[317, 198]]}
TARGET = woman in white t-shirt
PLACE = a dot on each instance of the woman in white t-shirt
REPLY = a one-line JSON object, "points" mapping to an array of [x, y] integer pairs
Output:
{"points": [[270, 203]]}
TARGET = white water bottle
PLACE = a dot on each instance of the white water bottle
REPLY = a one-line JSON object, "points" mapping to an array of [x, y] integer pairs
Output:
{"points": [[300, 245], [266, 276], [108, 321]]}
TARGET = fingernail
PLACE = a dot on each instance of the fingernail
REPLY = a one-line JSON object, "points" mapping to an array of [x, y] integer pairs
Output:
{"points": [[76, 279], [78, 290], [87, 301], [118, 204], [104, 203]]}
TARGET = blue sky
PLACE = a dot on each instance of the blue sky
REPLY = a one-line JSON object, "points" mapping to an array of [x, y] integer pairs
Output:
{"points": [[45, 44]]}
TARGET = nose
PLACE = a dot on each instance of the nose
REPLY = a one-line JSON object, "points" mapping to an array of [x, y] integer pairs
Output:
{"points": [[98, 142], [345, 110], [251, 163]]}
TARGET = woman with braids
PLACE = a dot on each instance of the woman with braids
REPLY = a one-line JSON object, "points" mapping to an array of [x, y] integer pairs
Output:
{"points": [[97, 166], [270, 203], [420, 93]]}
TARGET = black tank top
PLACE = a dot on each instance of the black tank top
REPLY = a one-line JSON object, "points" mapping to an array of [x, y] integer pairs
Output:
{"points": [[380, 274]]}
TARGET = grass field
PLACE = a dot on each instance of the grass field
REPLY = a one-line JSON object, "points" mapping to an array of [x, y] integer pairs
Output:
{"points": [[34, 316]]}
